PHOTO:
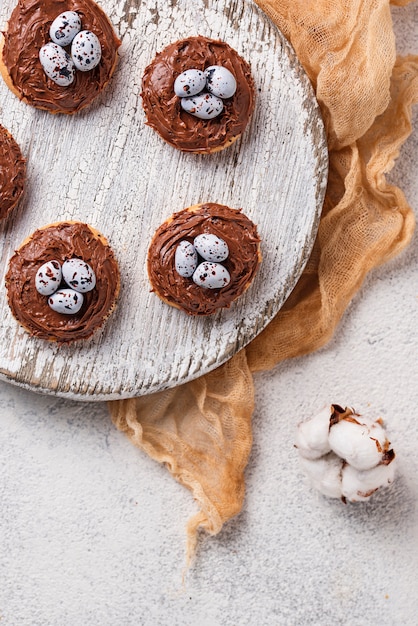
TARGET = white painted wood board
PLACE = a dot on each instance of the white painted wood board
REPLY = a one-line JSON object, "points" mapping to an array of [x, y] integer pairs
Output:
{"points": [[105, 167]]}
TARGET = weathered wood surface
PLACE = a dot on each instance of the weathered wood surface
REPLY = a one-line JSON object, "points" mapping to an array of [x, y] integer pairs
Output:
{"points": [[105, 167]]}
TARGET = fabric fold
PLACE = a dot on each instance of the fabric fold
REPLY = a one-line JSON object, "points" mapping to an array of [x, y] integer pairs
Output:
{"points": [[202, 432]]}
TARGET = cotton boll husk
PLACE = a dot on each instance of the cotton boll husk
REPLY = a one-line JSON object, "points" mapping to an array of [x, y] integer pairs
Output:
{"points": [[312, 435], [324, 474], [359, 485], [360, 441]]}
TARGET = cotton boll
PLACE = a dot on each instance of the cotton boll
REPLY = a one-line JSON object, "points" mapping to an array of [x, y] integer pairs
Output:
{"points": [[359, 485], [358, 441], [324, 474], [312, 435], [360, 460]]}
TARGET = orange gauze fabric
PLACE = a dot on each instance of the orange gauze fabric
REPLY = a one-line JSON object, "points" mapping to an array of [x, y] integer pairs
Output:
{"points": [[202, 430], [366, 95]]}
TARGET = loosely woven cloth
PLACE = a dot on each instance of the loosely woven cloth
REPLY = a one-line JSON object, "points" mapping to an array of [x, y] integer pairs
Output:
{"points": [[202, 430]]}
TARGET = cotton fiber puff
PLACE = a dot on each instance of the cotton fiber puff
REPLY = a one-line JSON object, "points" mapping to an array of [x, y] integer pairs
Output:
{"points": [[345, 455]]}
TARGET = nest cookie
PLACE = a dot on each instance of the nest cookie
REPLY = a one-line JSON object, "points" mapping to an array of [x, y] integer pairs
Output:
{"points": [[203, 258], [12, 173], [63, 282], [28, 30], [173, 117]]}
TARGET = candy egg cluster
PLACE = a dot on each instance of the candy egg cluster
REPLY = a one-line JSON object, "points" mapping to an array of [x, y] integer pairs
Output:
{"points": [[84, 53], [202, 93], [65, 285], [344, 454], [202, 261]]}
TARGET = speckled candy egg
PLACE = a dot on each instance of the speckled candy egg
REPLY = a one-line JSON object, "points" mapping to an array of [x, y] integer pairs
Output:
{"points": [[66, 301], [211, 247], [48, 278], [86, 51], [57, 64], [65, 27], [79, 275], [205, 106], [211, 275], [220, 81], [189, 83], [185, 259]]}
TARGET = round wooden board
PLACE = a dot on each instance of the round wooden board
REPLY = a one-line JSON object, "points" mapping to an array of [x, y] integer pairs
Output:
{"points": [[105, 167]]}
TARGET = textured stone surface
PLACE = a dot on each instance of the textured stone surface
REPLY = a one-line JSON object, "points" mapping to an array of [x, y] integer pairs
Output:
{"points": [[92, 531]]}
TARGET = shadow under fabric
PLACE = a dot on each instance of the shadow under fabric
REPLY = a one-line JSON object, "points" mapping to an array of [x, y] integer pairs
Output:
{"points": [[202, 430]]}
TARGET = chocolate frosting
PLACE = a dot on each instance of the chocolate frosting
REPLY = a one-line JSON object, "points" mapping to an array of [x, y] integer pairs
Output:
{"points": [[12, 172], [242, 263], [28, 30], [164, 113], [62, 241]]}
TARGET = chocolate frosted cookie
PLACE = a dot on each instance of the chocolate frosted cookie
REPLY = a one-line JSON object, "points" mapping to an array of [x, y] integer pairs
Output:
{"points": [[203, 258], [12, 173], [63, 282], [56, 55], [198, 95]]}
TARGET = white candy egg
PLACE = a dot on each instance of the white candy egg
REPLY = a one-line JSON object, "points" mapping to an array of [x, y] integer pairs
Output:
{"points": [[211, 275], [86, 51], [48, 278], [211, 247], [360, 461], [185, 259], [66, 301], [220, 81], [205, 106], [189, 83], [57, 64], [79, 275], [65, 27]]}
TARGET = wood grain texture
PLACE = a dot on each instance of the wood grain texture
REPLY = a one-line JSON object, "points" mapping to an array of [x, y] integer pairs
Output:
{"points": [[105, 167]]}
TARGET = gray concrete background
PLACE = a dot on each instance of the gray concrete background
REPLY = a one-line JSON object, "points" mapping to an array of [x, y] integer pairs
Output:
{"points": [[92, 532]]}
